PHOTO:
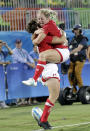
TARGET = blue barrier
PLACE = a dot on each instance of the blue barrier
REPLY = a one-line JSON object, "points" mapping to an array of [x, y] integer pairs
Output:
{"points": [[2, 83], [16, 73]]}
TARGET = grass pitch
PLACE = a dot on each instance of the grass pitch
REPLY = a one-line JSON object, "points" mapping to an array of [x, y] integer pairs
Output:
{"points": [[75, 117]]}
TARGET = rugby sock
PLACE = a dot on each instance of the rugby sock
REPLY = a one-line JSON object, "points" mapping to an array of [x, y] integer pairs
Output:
{"points": [[39, 69], [46, 111]]}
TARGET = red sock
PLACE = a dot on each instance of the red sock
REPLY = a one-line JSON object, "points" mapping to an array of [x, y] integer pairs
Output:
{"points": [[46, 111], [39, 69]]}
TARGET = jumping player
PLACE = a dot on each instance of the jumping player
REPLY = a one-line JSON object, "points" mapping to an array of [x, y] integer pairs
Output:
{"points": [[51, 78]]}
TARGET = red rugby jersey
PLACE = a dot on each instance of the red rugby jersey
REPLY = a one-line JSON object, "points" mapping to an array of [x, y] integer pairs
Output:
{"points": [[52, 30], [44, 45]]}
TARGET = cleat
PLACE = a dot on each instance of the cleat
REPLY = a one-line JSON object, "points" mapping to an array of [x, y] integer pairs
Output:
{"points": [[37, 113], [30, 82], [45, 125], [49, 125]]}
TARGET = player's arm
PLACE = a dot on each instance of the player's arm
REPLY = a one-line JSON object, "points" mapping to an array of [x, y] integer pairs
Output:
{"points": [[33, 36], [59, 40], [55, 39], [36, 33], [40, 37]]}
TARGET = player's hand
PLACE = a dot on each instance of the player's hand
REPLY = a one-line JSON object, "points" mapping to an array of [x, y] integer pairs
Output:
{"points": [[35, 42], [39, 31]]}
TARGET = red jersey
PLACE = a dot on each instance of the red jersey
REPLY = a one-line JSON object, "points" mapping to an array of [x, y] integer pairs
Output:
{"points": [[44, 45], [51, 29]]}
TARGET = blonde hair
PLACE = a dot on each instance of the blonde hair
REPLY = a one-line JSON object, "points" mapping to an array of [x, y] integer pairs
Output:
{"points": [[53, 13], [45, 11], [49, 13]]}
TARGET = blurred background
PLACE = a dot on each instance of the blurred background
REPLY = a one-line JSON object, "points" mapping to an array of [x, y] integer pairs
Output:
{"points": [[15, 14]]}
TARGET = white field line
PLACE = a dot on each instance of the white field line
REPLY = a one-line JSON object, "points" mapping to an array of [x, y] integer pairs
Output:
{"points": [[78, 124]]}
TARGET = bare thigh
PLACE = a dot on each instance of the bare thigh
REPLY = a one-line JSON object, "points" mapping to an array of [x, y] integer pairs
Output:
{"points": [[54, 89], [50, 55]]}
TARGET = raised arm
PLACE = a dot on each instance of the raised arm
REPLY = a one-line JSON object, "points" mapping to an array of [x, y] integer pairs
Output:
{"points": [[40, 37], [9, 49]]}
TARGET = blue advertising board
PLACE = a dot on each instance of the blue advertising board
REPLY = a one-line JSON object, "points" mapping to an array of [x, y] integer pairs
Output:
{"points": [[16, 73], [2, 83]]}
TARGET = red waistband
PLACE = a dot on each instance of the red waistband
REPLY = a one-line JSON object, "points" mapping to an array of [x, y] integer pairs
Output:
{"points": [[61, 46]]}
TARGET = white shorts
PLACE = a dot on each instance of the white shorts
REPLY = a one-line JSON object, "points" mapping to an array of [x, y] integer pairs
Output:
{"points": [[50, 71], [64, 53]]}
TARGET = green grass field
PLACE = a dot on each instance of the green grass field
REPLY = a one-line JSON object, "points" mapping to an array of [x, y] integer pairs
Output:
{"points": [[62, 118]]}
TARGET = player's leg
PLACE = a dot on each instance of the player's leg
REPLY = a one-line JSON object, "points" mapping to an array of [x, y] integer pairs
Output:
{"points": [[38, 71], [52, 56], [51, 78], [54, 89]]}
